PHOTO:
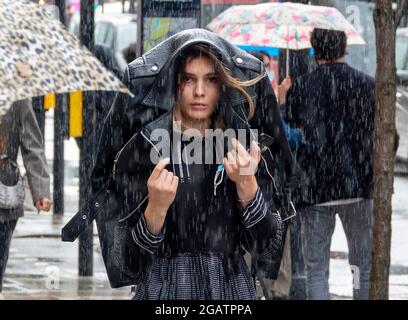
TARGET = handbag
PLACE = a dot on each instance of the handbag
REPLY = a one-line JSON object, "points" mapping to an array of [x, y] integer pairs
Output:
{"points": [[12, 197], [114, 220]]}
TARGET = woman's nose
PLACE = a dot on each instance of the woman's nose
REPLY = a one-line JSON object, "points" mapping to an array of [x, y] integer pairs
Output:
{"points": [[199, 88]]}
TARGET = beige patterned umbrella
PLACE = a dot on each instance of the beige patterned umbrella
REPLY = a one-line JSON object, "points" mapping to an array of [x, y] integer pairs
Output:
{"points": [[39, 56]]}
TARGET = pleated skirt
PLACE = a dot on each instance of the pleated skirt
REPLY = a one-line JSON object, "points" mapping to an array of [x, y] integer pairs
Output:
{"points": [[196, 277]]}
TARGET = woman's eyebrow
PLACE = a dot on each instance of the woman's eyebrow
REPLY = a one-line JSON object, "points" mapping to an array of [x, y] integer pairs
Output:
{"points": [[211, 74]]}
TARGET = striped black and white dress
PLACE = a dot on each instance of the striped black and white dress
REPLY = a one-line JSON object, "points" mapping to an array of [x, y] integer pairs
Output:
{"points": [[195, 255]]}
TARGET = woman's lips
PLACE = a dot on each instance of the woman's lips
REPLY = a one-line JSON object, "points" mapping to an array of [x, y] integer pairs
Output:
{"points": [[198, 106]]}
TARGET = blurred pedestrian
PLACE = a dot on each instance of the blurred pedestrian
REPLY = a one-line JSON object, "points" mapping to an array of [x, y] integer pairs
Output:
{"points": [[192, 219], [279, 288], [271, 67], [334, 106], [129, 53], [19, 131], [294, 135]]}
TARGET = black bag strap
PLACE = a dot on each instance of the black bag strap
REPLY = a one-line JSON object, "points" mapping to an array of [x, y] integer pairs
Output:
{"points": [[84, 217], [90, 210]]}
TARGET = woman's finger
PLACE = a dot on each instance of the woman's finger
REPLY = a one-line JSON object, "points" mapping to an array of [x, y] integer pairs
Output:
{"points": [[243, 161], [159, 168], [255, 151], [168, 178], [162, 177], [239, 148], [174, 183], [227, 166], [242, 156], [232, 160]]}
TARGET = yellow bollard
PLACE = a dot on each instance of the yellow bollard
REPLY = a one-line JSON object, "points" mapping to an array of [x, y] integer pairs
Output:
{"points": [[49, 101], [75, 114]]}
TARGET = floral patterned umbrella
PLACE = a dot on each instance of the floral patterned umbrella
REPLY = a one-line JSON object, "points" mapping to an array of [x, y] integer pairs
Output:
{"points": [[280, 25], [39, 56]]}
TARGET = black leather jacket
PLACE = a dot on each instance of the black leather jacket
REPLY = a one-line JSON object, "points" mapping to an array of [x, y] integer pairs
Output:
{"points": [[123, 162]]}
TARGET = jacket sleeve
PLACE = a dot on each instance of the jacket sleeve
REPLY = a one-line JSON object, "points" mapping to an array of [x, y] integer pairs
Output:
{"points": [[145, 241], [366, 133], [264, 225], [142, 245], [115, 133], [32, 151]]}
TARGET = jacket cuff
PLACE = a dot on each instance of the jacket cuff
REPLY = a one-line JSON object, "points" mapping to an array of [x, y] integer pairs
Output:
{"points": [[255, 211], [144, 238]]}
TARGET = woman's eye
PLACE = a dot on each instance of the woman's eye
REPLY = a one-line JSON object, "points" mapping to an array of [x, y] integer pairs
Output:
{"points": [[213, 79], [188, 79]]}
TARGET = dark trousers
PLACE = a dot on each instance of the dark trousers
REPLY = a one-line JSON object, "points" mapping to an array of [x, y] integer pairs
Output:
{"points": [[6, 232], [318, 223]]}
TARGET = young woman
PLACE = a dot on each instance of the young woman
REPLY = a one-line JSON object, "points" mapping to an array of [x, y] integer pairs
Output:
{"points": [[202, 207]]}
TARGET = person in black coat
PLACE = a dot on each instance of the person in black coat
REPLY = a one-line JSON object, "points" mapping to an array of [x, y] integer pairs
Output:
{"points": [[334, 106], [174, 213], [176, 228]]}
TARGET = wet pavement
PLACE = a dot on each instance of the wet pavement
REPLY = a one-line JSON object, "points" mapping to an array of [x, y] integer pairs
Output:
{"points": [[402, 129], [42, 267], [340, 275]]}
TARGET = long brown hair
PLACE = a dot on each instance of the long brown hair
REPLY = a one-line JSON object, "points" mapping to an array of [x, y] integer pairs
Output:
{"points": [[222, 72]]}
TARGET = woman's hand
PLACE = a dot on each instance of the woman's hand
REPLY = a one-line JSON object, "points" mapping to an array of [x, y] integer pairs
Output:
{"points": [[162, 187], [283, 89], [43, 204], [241, 167]]}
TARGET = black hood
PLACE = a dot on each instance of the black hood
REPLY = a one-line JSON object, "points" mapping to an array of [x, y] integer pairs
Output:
{"points": [[159, 62]]}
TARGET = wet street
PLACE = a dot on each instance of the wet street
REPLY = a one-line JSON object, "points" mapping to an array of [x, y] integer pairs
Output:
{"points": [[42, 267], [340, 274]]}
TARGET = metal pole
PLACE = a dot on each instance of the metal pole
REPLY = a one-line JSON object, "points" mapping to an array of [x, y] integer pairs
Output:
{"points": [[132, 8], [85, 244], [139, 28], [58, 163]]}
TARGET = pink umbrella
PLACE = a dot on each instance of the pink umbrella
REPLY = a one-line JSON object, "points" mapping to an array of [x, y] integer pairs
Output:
{"points": [[280, 25]]}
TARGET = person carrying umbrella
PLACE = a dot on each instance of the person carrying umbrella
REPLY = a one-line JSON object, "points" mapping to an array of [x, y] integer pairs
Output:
{"points": [[19, 131], [334, 105], [179, 216]]}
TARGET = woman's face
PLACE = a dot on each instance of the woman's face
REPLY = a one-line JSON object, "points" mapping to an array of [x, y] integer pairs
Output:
{"points": [[200, 90]]}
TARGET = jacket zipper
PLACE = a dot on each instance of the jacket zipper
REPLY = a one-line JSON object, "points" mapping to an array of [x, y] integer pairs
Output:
{"points": [[134, 210], [121, 150], [115, 161], [152, 144], [119, 154]]}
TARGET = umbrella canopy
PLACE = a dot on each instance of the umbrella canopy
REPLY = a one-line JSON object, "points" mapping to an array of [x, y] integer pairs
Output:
{"points": [[280, 25], [39, 56]]}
